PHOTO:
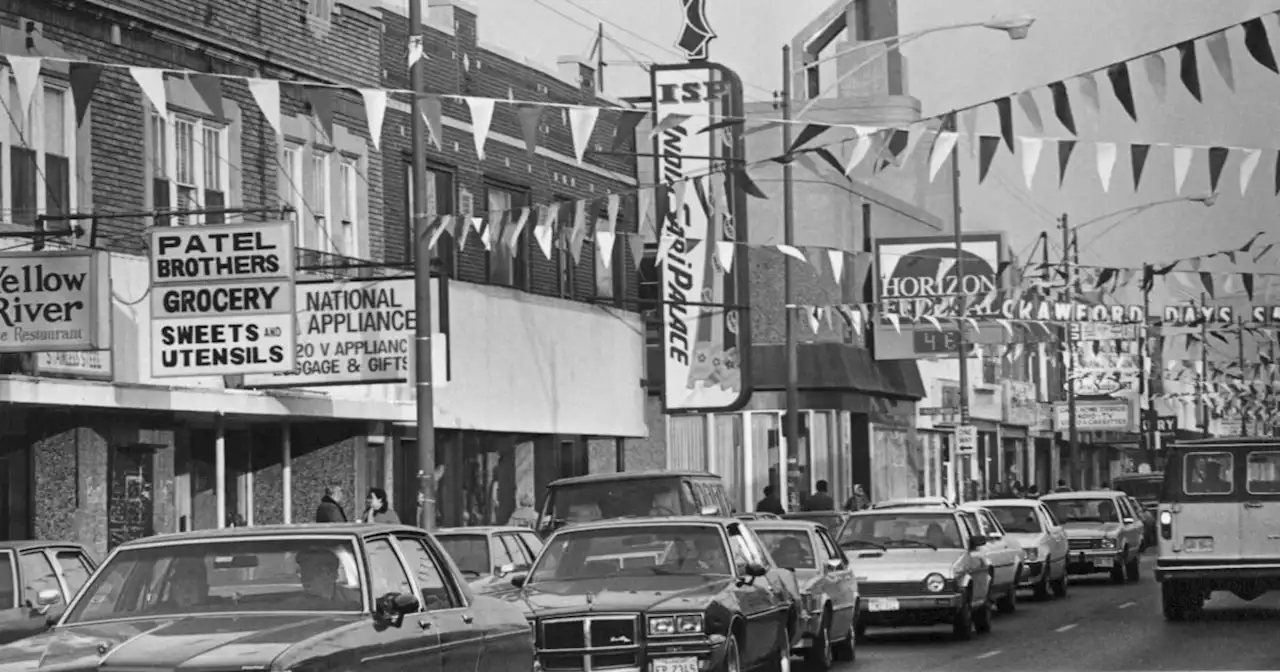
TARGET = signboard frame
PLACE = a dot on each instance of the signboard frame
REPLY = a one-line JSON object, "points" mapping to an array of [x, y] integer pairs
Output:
{"points": [[1061, 418], [99, 323]]}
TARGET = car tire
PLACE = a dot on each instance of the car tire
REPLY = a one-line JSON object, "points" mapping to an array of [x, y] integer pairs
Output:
{"points": [[1180, 600], [1133, 569], [783, 662], [732, 656], [1060, 585], [819, 655], [982, 618], [1042, 587], [860, 632], [846, 650], [962, 622], [1008, 602], [1119, 571]]}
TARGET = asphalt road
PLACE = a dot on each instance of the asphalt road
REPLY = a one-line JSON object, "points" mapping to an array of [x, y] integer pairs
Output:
{"points": [[1098, 626]]}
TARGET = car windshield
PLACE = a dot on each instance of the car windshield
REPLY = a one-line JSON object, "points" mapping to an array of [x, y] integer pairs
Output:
{"points": [[633, 550], [317, 574], [792, 549], [1017, 519], [1084, 510], [1141, 489], [890, 529], [470, 552], [831, 521], [606, 500]]}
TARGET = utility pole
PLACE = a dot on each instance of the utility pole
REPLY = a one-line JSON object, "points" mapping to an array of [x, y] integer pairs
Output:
{"points": [[426, 435], [1073, 437], [962, 301], [792, 417], [599, 51], [1244, 425], [1202, 410], [1146, 369]]}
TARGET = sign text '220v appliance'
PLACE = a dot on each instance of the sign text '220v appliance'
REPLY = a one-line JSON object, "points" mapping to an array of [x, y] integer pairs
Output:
{"points": [[706, 342]]}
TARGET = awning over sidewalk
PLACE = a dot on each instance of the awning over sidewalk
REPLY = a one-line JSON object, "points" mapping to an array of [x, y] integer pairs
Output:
{"points": [[64, 393]]}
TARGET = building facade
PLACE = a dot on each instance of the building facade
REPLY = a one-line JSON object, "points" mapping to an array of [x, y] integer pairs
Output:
{"points": [[544, 355]]}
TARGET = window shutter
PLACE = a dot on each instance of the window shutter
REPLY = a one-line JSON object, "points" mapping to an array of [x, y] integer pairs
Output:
{"points": [[212, 201], [160, 200], [23, 185], [57, 175]]}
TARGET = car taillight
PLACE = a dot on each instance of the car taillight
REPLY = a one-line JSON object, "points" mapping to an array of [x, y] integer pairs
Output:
{"points": [[1166, 525]]}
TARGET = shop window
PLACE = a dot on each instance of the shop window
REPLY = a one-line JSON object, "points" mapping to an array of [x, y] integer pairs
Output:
{"points": [[37, 151]]}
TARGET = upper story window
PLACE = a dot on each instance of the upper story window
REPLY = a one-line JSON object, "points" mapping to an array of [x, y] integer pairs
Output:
{"points": [[440, 201], [319, 199], [503, 205], [605, 273], [37, 151], [323, 186], [190, 168], [348, 199], [566, 270]]}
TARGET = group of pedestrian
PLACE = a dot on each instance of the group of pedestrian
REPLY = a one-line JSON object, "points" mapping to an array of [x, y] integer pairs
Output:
{"points": [[377, 508], [820, 500]]}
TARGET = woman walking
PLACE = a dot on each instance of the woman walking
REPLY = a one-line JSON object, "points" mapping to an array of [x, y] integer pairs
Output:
{"points": [[377, 509]]}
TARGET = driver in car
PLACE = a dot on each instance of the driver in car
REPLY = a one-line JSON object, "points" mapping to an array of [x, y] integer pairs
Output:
{"points": [[188, 586], [694, 556], [318, 573]]}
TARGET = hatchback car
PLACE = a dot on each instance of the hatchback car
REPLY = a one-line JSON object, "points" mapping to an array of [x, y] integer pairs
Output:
{"points": [[1218, 519], [1104, 534], [1043, 540], [1005, 555], [488, 556]]}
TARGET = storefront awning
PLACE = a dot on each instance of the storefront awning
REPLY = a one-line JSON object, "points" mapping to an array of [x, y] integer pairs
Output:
{"points": [[66, 393], [837, 366]]}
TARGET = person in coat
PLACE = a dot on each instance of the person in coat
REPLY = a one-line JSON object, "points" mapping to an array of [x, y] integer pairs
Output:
{"points": [[820, 500], [770, 503], [330, 509], [377, 509]]}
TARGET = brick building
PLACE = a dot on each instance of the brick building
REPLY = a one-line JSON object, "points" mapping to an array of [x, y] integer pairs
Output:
{"points": [[545, 356]]}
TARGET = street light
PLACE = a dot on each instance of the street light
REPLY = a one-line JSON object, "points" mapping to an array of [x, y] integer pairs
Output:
{"points": [[1206, 200], [1016, 27]]}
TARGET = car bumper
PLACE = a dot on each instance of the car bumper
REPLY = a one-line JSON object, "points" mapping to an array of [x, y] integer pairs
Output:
{"points": [[1032, 573], [707, 652], [1095, 561], [912, 610], [1224, 571]]}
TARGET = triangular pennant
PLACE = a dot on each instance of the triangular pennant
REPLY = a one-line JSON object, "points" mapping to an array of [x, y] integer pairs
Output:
{"points": [[322, 99], [1138, 157], [543, 231], [433, 116], [644, 211], [481, 118], [1206, 279], [895, 320], [636, 243], [1217, 161], [667, 123], [438, 228], [915, 132], [513, 232], [612, 205], [1106, 162], [943, 146], [1065, 147], [1247, 280], [604, 246], [814, 313], [1277, 174], [582, 121], [1004, 108], [807, 134], [1249, 245], [969, 125], [375, 111], [743, 182], [836, 257], [1157, 75], [493, 231], [624, 133], [1089, 91], [1247, 165], [209, 89], [1220, 52], [987, 146], [1027, 101], [679, 190], [1189, 69], [26, 79], [530, 117], [793, 252], [1182, 157], [1062, 106], [1259, 45], [579, 233], [1031, 149], [266, 93], [1122, 87], [665, 244], [860, 149], [415, 49], [724, 253], [151, 80], [84, 80]]}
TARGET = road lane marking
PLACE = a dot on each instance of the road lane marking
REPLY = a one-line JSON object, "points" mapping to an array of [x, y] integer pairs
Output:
{"points": [[1126, 605], [1066, 627], [989, 654]]}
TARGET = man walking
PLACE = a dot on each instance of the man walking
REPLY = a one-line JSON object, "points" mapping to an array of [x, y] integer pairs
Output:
{"points": [[770, 503], [330, 509], [820, 500]]}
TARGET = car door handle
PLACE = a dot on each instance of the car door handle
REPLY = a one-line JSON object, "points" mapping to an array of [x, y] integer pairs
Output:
{"points": [[1253, 505], [468, 618], [424, 624]]}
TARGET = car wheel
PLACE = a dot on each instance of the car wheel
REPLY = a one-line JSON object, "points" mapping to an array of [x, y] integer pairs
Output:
{"points": [[846, 649], [1133, 568], [1180, 600], [962, 622], [1009, 601], [783, 661], [982, 617], [860, 632], [1118, 571], [732, 656], [1060, 585], [1042, 586], [819, 656]]}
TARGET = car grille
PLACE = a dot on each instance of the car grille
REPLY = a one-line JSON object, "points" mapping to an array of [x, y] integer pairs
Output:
{"points": [[898, 588], [595, 643], [1084, 544]]}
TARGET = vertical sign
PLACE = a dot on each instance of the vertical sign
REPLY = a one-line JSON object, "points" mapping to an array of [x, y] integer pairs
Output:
{"points": [[695, 33], [222, 300], [705, 326]]}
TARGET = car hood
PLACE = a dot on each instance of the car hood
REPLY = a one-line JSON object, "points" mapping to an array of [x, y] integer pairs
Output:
{"points": [[225, 642], [550, 598], [1090, 530], [903, 564], [1028, 539]]}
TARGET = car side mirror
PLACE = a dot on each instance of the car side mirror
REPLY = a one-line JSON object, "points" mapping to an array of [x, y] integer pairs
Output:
{"points": [[708, 511], [977, 541], [48, 598], [1128, 521], [835, 564], [392, 607], [510, 568], [519, 579], [755, 569]]}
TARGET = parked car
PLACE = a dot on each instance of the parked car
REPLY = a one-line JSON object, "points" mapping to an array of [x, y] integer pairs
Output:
{"points": [[36, 576], [1004, 554], [1217, 523], [488, 556], [756, 515], [828, 589], [832, 520], [919, 566], [1104, 534], [585, 499], [679, 594], [1043, 540], [910, 502], [1148, 518], [283, 597], [1143, 487]]}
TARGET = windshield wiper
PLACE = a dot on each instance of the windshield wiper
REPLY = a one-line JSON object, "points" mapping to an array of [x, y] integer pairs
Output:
{"points": [[861, 542], [910, 542]]}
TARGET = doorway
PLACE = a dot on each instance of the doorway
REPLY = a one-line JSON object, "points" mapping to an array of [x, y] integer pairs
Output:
{"points": [[202, 472]]}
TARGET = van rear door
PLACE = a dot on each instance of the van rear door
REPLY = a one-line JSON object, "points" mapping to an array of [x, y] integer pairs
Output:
{"points": [[1206, 506], [1260, 510]]}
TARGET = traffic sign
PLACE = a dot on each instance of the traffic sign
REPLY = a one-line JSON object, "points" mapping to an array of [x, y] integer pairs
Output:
{"points": [[966, 439]]}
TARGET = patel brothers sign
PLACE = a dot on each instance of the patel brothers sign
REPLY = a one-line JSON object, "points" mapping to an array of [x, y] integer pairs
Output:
{"points": [[55, 301]]}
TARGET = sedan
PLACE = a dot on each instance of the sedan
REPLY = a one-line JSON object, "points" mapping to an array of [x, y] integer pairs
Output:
{"points": [[36, 576], [282, 597], [1103, 535], [488, 556], [1030, 524]]}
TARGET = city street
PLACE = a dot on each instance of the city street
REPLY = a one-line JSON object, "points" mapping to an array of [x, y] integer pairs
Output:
{"points": [[1097, 627]]}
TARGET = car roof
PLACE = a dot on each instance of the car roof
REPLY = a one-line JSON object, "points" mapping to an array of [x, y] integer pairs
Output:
{"points": [[1149, 476], [1084, 494], [903, 509], [630, 476], [294, 530], [784, 524], [922, 501], [481, 529], [1008, 501], [31, 544], [650, 521], [806, 515]]}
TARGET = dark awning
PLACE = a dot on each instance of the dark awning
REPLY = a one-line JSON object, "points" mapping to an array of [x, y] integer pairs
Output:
{"points": [[837, 366]]}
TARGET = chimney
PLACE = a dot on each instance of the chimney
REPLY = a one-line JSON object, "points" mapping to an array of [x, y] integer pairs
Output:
{"points": [[454, 17], [577, 70]]}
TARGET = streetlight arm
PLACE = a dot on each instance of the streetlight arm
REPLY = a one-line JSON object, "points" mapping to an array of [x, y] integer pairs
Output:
{"points": [[1204, 200], [884, 41], [863, 65]]}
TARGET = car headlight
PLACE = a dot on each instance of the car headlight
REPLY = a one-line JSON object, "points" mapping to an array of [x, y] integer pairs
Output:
{"points": [[680, 624], [1166, 518], [1109, 542], [934, 583], [1032, 554]]}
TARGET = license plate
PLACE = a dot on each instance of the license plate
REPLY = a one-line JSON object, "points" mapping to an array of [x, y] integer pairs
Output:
{"points": [[882, 604], [1103, 561], [1198, 544], [689, 664]]}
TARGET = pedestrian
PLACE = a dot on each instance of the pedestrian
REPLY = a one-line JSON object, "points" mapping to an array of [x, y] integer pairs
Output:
{"points": [[377, 509], [1033, 492], [1062, 486], [820, 500], [524, 515], [770, 503], [858, 501], [330, 509]]}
